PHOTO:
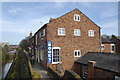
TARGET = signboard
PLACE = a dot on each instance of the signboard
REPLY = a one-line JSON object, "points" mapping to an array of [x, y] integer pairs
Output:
{"points": [[49, 51]]}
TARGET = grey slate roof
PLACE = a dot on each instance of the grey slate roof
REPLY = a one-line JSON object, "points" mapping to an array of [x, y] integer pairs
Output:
{"points": [[106, 40], [118, 37], [107, 61]]}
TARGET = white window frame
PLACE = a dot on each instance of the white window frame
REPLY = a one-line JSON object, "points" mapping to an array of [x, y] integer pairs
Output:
{"points": [[111, 48], [77, 53], [102, 48], [76, 17], [60, 32], [59, 55], [91, 33], [43, 32], [117, 77], [42, 54], [77, 32], [36, 39]]}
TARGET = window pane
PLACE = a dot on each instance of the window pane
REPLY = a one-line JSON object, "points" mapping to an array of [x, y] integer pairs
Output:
{"points": [[78, 53], [59, 31], [75, 32], [91, 33], [62, 31], [78, 18], [78, 32], [75, 17], [113, 48], [75, 53], [55, 55]]}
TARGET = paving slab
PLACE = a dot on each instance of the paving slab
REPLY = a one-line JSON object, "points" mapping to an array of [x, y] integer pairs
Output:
{"points": [[40, 69]]}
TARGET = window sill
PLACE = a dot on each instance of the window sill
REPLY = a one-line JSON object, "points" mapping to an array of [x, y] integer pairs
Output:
{"points": [[77, 56], [61, 34], [77, 20], [77, 35], [56, 62], [91, 36], [42, 59], [112, 51]]}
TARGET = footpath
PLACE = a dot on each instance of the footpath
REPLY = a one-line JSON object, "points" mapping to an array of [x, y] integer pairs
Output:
{"points": [[40, 69]]}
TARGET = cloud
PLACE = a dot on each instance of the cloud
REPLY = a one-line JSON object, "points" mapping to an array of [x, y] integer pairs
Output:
{"points": [[109, 27], [25, 26], [15, 10], [60, 0], [110, 24], [9, 26], [110, 13], [86, 4]]}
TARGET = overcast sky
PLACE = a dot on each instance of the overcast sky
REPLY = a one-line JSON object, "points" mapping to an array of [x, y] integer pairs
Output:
{"points": [[19, 18]]}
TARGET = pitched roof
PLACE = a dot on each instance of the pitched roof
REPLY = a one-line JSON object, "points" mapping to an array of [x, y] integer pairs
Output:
{"points": [[118, 37], [106, 39], [62, 16], [107, 61], [80, 12]]}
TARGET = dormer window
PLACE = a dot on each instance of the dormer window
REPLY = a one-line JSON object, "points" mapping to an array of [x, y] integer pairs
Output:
{"points": [[76, 17]]}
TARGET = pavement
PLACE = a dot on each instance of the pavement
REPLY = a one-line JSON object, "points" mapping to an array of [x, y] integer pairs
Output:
{"points": [[40, 69]]}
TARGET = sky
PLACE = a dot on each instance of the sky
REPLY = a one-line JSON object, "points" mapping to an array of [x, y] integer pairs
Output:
{"points": [[20, 18]]}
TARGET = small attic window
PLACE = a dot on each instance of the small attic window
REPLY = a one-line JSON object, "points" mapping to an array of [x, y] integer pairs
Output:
{"points": [[76, 17]]}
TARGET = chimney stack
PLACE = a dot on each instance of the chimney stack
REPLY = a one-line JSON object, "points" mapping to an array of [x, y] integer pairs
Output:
{"points": [[30, 34], [91, 70], [51, 19]]}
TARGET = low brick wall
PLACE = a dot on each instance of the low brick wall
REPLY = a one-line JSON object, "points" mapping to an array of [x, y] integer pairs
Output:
{"points": [[69, 74], [54, 74]]}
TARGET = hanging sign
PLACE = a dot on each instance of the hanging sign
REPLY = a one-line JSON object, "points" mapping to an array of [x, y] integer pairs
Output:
{"points": [[49, 51]]}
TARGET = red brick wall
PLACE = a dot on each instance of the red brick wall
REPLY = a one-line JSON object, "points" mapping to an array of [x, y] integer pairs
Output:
{"points": [[117, 41], [42, 43], [69, 42], [107, 47], [100, 73]]}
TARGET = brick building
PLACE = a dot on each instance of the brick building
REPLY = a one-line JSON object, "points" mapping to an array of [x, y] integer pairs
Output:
{"points": [[71, 36], [98, 66], [32, 44], [116, 40], [110, 44]]}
